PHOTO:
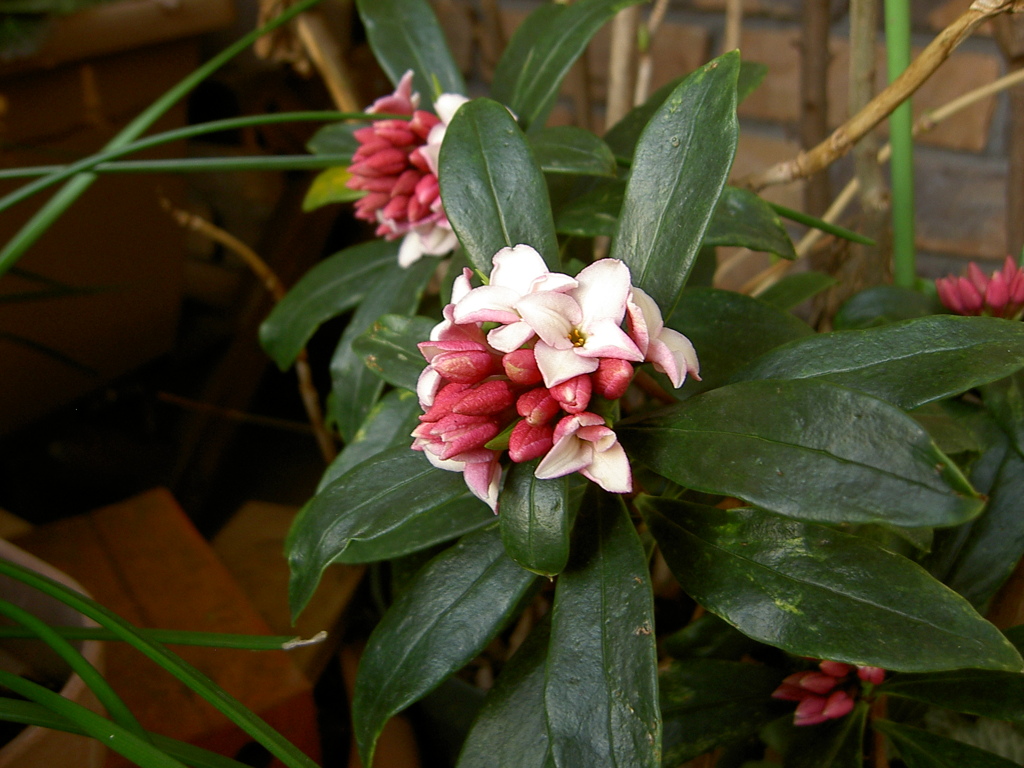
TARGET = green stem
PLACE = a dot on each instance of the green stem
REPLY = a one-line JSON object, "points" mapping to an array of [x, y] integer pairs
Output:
{"points": [[79, 665], [188, 675], [901, 127], [198, 165], [175, 637], [815, 223], [34, 228], [119, 739]]}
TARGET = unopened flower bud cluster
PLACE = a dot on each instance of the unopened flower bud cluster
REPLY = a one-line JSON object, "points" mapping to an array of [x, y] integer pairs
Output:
{"points": [[528, 355], [998, 295], [827, 693]]}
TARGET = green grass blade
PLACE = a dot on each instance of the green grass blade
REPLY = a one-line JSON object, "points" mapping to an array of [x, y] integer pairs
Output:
{"points": [[178, 637], [824, 226], [248, 721]]}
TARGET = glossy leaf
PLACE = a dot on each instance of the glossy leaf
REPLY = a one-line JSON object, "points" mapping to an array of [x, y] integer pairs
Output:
{"points": [[995, 543], [728, 330], [567, 149], [622, 137], [1004, 399], [510, 730], [881, 305], [335, 139], [805, 449], [987, 693], [535, 519], [920, 749], [752, 74], [743, 219], [389, 348], [355, 386], [493, 191], [389, 423], [907, 364], [449, 613], [814, 591], [709, 703], [708, 637], [793, 290], [329, 187], [332, 287], [601, 681], [832, 744], [681, 163], [366, 502], [593, 213], [541, 52], [404, 35], [952, 424]]}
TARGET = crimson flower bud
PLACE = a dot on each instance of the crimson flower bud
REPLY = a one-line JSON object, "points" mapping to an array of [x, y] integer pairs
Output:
{"points": [[573, 395], [521, 367], [612, 377], [529, 441], [537, 406]]}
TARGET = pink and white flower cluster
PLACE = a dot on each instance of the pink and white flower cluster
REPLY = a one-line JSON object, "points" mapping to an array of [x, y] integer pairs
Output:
{"points": [[828, 692], [530, 353], [396, 165], [998, 295]]}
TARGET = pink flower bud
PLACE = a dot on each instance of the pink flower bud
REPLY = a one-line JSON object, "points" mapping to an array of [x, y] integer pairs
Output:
{"points": [[809, 711], [873, 675], [838, 704], [835, 668], [537, 406], [612, 377], [521, 367], [809, 680], [573, 395], [529, 441], [466, 362], [454, 434], [484, 399], [443, 400]]}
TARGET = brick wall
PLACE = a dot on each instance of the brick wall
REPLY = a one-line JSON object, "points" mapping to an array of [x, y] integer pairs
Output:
{"points": [[961, 166]]}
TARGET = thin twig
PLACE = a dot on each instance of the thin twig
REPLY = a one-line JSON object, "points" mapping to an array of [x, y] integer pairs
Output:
{"points": [[925, 123], [880, 107], [622, 64], [645, 64], [814, 56], [326, 55], [733, 25], [307, 390]]}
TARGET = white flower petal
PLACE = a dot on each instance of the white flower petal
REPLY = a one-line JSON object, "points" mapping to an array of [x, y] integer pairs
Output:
{"points": [[674, 355], [411, 250], [568, 455], [610, 469], [551, 315], [517, 268], [604, 338], [508, 338], [486, 304], [603, 289], [558, 365], [447, 104]]}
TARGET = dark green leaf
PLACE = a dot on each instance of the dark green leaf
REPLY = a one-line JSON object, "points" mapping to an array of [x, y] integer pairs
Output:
{"points": [[743, 219], [389, 348], [567, 149], [368, 501], [356, 387], [832, 744], [404, 35], [682, 161], [951, 424], [708, 637], [721, 325], [601, 681], [814, 591], [907, 364], [751, 75], [883, 304], [1004, 399], [542, 50], [805, 449], [494, 194], [390, 423], [593, 213], [708, 703], [921, 749], [999, 695], [793, 290], [511, 729], [449, 613], [535, 520], [622, 137], [332, 287], [335, 139], [995, 543]]}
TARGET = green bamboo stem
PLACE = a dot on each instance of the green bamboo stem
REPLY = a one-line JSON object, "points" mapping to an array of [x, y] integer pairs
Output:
{"points": [[193, 165], [34, 228], [901, 127], [188, 675], [81, 666], [175, 637]]}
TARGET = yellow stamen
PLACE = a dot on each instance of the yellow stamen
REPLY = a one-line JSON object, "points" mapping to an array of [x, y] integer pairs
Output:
{"points": [[577, 337]]}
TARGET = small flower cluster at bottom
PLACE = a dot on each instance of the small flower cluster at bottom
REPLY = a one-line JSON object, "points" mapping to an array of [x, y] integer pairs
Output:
{"points": [[827, 693], [525, 357]]}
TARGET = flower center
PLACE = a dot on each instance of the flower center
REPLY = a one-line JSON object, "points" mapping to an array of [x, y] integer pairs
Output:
{"points": [[577, 337]]}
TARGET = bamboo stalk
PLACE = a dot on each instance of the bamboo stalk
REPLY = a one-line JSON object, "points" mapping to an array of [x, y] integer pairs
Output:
{"points": [[849, 133]]}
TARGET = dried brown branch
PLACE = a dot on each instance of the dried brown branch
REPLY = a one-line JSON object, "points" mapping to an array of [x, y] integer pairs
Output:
{"points": [[849, 133], [622, 64], [327, 57], [733, 25], [307, 390]]}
